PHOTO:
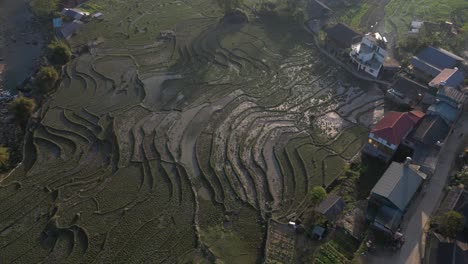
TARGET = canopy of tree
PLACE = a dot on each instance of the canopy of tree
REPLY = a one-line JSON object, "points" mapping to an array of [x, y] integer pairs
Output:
{"points": [[450, 223], [23, 108], [317, 194], [47, 78], [59, 53], [44, 7]]}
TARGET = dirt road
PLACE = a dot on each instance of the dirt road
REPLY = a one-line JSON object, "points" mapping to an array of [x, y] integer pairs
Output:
{"points": [[418, 216]]}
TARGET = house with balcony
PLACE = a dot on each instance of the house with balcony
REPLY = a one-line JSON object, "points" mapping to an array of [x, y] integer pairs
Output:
{"points": [[389, 132], [369, 54]]}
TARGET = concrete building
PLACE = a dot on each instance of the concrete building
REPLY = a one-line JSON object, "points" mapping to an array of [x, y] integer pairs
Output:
{"points": [[389, 132], [369, 54]]}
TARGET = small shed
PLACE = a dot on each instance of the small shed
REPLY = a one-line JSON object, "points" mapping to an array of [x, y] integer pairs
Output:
{"points": [[331, 207], [318, 232], [57, 22]]}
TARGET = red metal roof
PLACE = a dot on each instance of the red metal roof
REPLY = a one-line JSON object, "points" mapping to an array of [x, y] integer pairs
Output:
{"points": [[396, 125]]}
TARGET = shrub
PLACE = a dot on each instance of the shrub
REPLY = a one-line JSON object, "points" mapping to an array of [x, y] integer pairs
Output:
{"points": [[47, 78], [44, 7], [229, 5], [59, 53], [317, 194], [450, 223], [23, 108], [4, 157]]}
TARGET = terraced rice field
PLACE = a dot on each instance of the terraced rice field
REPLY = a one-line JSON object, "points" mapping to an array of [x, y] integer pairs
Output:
{"points": [[168, 150]]}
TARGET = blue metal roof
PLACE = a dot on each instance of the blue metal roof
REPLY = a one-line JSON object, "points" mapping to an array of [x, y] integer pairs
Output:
{"points": [[439, 58], [445, 110], [456, 79], [425, 67], [57, 22]]}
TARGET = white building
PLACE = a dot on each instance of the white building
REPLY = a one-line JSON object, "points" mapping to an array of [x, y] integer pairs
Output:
{"points": [[370, 53]]}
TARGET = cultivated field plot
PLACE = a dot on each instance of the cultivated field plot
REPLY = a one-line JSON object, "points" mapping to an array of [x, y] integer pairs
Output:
{"points": [[179, 148]]}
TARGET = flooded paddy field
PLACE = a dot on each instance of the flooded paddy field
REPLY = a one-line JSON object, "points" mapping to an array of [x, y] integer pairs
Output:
{"points": [[178, 146]]}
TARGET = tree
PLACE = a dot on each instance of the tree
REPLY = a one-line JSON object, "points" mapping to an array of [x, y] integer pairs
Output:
{"points": [[47, 78], [23, 108], [4, 157], [44, 7], [317, 194], [59, 53], [450, 223]]}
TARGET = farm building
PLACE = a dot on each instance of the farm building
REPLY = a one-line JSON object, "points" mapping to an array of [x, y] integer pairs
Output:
{"points": [[369, 54], [331, 207], [448, 77], [431, 61], [389, 132], [392, 194], [69, 29], [340, 37], [406, 91], [431, 129]]}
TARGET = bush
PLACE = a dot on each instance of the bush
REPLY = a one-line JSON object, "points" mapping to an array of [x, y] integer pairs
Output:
{"points": [[450, 223], [59, 53], [229, 5], [47, 78], [317, 194], [44, 7], [4, 158], [23, 108]]}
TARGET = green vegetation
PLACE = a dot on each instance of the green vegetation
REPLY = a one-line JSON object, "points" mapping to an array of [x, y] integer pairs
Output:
{"points": [[339, 250], [4, 158], [354, 14], [400, 13], [461, 177], [23, 108], [450, 223], [229, 5], [47, 78], [59, 53], [90, 7], [317, 194], [44, 8]]}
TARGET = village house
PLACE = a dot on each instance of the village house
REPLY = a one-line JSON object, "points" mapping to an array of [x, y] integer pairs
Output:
{"points": [[389, 132], [448, 105], [408, 92], [341, 37], [392, 195], [369, 54], [431, 61], [432, 130]]}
